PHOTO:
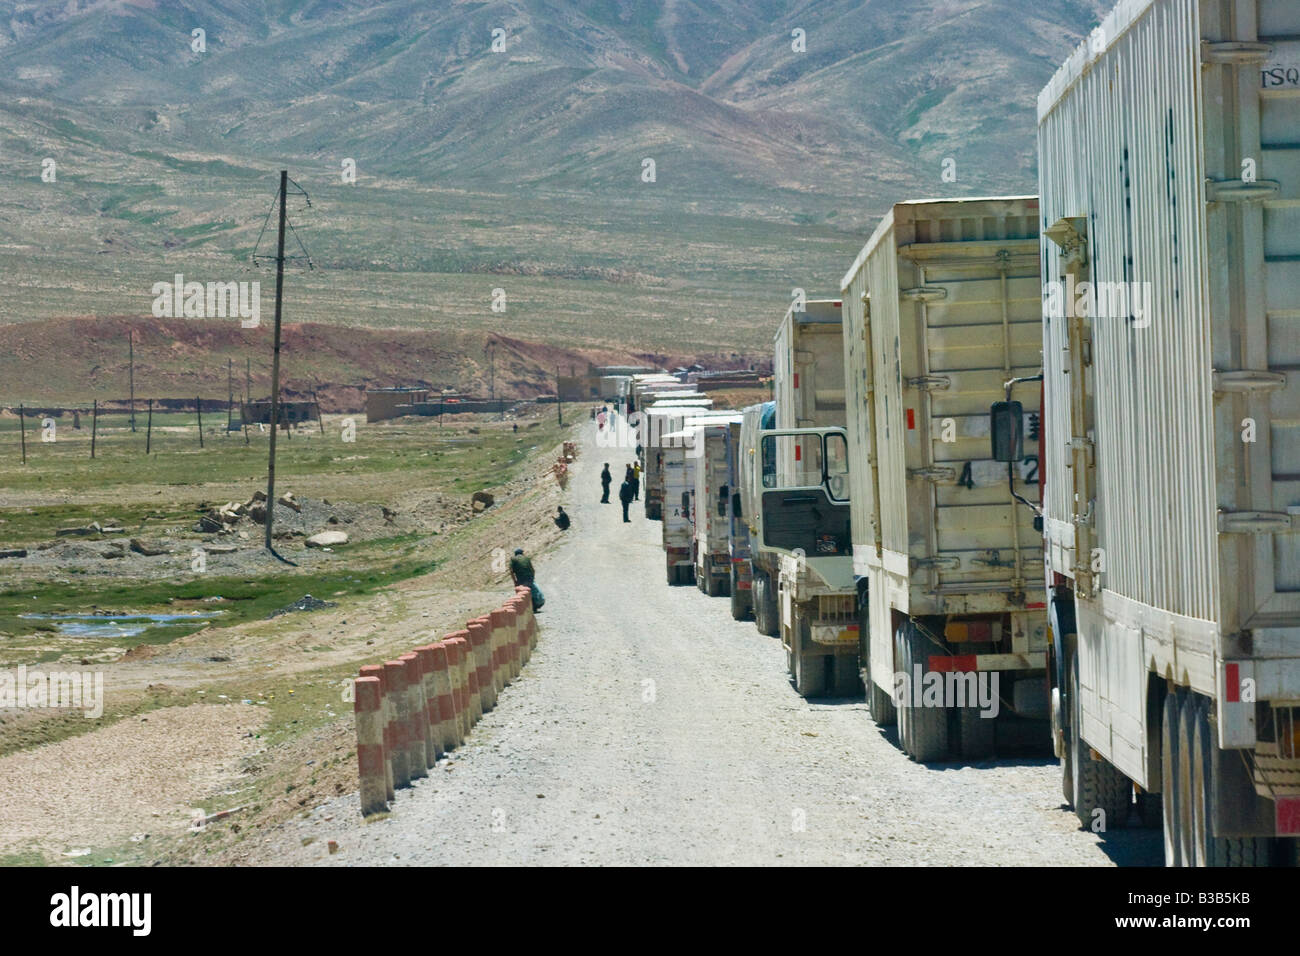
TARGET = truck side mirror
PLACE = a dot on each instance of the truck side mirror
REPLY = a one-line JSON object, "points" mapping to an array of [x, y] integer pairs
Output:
{"points": [[1007, 431], [735, 505]]}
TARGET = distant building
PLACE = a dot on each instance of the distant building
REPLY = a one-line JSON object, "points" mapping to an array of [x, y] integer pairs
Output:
{"points": [[259, 413], [382, 403]]}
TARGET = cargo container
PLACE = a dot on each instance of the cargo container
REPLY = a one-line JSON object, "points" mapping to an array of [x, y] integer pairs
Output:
{"points": [[679, 454], [738, 550], [712, 506], [659, 429], [941, 318], [1169, 172], [795, 500]]}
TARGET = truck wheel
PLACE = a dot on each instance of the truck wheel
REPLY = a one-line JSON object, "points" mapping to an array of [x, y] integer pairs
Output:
{"points": [[927, 726], [1172, 804], [1097, 785], [977, 735], [764, 605], [1208, 850], [739, 599], [809, 669], [701, 581], [901, 709], [722, 585], [847, 681]]}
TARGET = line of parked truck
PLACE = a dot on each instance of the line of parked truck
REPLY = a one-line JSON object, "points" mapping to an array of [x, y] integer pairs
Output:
{"points": [[1039, 460]]}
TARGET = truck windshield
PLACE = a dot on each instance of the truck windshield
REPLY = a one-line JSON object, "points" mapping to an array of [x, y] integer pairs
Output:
{"points": [[807, 461]]}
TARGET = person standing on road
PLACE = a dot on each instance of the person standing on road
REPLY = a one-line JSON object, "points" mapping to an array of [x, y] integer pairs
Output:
{"points": [[605, 480], [625, 496], [636, 481]]}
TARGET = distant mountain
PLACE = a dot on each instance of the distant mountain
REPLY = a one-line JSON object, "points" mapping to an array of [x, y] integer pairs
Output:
{"points": [[779, 130]]}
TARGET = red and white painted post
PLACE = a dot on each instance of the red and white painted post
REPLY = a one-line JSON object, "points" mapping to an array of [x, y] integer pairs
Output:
{"points": [[368, 706], [399, 756], [480, 638], [433, 722], [417, 721], [448, 722], [386, 723]]}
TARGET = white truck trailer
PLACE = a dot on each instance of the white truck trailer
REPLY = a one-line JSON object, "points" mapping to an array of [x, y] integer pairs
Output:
{"points": [[680, 455], [795, 501], [941, 312], [712, 506], [1169, 172], [658, 427]]}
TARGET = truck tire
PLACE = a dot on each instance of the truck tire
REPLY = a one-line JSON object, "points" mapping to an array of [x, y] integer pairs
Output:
{"points": [[1097, 785], [1210, 850], [1172, 803], [901, 710], [809, 668], [701, 582], [764, 605], [740, 603], [976, 734], [927, 726], [846, 681]]}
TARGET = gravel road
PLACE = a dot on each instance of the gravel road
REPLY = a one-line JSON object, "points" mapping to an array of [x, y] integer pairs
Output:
{"points": [[651, 728]]}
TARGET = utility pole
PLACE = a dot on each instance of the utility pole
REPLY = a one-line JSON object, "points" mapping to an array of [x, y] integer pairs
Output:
{"points": [[130, 341], [491, 350], [230, 394], [559, 414], [275, 360]]}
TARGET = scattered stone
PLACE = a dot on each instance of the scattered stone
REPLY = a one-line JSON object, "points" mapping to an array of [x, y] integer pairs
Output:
{"points": [[92, 528], [147, 548], [304, 603], [13, 553], [287, 499], [482, 500], [221, 548], [327, 539]]}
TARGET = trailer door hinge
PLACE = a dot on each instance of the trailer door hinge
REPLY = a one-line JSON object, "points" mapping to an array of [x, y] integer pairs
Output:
{"points": [[1236, 52], [1238, 190], [1257, 522], [924, 293], [929, 383], [933, 474], [1249, 380]]}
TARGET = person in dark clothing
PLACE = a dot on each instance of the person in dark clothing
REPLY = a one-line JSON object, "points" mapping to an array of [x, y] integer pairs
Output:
{"points": [[561, 519], [625, 496], [605, 480], [521, 570], [634, 475]]}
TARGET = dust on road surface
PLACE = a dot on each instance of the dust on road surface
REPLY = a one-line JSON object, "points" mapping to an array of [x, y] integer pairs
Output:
{"points": [[651, 728]]}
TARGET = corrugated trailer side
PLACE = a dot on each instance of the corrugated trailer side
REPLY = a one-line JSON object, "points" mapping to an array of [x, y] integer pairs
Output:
{"points": [[712, 493], [941, 311], [1169, 170]]}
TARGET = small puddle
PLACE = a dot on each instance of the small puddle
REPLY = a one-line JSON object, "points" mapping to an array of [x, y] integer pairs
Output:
{"points": [[117, 625]]}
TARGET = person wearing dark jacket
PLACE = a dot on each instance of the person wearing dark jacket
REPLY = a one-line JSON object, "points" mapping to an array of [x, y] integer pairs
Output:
{"points": [[605, 479], [521, 570], [561, 519], [625, 496]]}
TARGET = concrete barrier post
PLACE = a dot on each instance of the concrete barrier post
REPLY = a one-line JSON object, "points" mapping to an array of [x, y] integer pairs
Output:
{"points": [[460, 676], [480, 638], [527, 595], [399, 756], [368, 705], [433, 721], [386, 722], [499, 629], [521, 629], [473, 691], [448, 730], [512, 644], [416, 718]]}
